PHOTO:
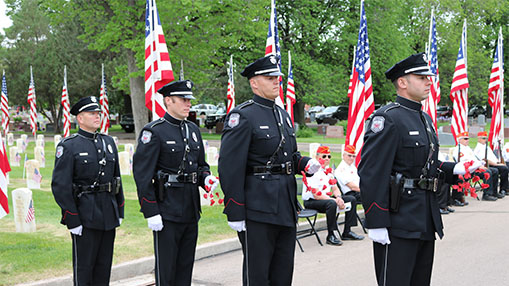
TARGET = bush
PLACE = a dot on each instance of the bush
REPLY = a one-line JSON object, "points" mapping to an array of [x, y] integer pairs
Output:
{"points": [[305, 132]]}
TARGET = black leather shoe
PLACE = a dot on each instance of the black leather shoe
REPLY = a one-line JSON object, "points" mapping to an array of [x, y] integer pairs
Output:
{"points": [[352, 236], [500, 196], [503, 192], [458, 203], [451, 210], [332, 240], [489, 198], [444, 211]]}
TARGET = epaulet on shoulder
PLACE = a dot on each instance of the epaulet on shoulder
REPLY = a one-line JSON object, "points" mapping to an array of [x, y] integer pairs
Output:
{"points": [[391, 106], [244, 104], [69, 138], [156, 122]]}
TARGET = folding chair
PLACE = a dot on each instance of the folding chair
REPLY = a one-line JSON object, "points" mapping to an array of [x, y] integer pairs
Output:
{"points": [[307, 214], [356, 214]]}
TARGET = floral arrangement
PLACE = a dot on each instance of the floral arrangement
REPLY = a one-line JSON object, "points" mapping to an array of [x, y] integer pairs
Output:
{"points": [[468, 181]]}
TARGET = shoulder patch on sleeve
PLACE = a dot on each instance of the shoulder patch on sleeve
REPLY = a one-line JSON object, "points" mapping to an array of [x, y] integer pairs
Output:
{"points": [[60, 151], [145, 136], [377, 124], [234, 120]]}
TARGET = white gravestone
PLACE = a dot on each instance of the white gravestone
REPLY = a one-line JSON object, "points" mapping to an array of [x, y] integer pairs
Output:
{"points": [[24, 211], [14, 156], [20, 144], [33, 174], [25, 138], [57, 138], [39, 143], [124, 163], [10, 139], [212, 156], [39, 156], [312, 149]]}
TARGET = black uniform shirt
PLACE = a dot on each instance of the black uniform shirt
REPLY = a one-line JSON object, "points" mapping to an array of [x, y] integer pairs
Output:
{"points": [[251, 136], [77, 162], [397, 140], [161, 146]]}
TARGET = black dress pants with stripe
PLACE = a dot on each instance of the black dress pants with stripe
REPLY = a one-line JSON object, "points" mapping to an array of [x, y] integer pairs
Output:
{"points": [[174, 248], [269, 251], [404, 262], [92, 254]]}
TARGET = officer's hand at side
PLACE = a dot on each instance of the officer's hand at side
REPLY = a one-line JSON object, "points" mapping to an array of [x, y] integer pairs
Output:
{"points": [[380, 235], [155, 223], [77, 230], [211, 183], [238, 225], [312, 166]]}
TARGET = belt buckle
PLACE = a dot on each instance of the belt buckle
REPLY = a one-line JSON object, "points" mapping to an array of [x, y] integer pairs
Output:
{"points": [[423, 184], [288, 168], [194, 177]]}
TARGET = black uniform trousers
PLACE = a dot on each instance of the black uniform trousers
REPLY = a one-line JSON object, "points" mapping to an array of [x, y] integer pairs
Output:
{"points": [[329, 207], [272, 243], [357, 195], [92, 254], [404, 262], [492, 181], [174, 248], [503, 173], [444, 195]]}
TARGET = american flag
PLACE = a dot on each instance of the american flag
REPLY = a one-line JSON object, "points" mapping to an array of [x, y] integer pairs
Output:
{"points": [[429, 105], [4, 169], [230, 94], [360, 92], [103, 102], [496, 96], [158, 70], [36, 176], [30, 212], [5, 107], [272, 47], [66, 115], [290, 88], [32, 103], [459, 89]]}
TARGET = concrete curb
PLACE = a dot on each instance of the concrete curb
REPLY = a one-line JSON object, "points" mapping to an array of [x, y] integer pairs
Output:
{"points": [[145, 265]]}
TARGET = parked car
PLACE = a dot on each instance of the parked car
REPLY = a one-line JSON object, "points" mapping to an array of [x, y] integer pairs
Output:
{"points": [[127, 122], [311, 113], [341, 113], [332, 114], [325, 114], [212, 119], [476, 110], [204, 109], [444, 111]]}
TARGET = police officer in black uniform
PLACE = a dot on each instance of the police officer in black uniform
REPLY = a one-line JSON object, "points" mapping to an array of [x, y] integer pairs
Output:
{"points": [[86, 185], [399, 175], [168, 166], [258, 161]]}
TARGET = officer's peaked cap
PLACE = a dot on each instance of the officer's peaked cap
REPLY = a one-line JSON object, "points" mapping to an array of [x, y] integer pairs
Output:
{"points": [[181, 88], [414, 64], [89, 103], [267, 66]]}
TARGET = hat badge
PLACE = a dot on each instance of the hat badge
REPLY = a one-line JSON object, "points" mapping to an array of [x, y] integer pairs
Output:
{"points": [[188, 84], [425, 57], [273, 60], [93, 99]]}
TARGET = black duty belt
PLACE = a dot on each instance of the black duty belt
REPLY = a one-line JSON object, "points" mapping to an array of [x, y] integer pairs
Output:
{"points": [[180, 178], [277, 169], [424, 184]]}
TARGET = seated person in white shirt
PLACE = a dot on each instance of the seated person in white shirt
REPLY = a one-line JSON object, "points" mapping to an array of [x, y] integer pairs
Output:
{"points": [[483, 152], [466, 154], [346, 174], [315, 196]]}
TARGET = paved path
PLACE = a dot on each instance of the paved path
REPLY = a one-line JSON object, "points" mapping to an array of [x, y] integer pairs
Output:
{"points": [[474, 251]]}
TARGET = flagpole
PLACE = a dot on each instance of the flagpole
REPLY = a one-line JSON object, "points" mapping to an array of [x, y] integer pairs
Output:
{"points": [[500, 47], [428, 52]]}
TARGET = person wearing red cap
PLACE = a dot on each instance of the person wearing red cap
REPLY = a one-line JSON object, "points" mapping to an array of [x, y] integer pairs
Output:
{"points": [[484, 152], [346, 173], [316, 195], [399, 175], [465, 154]]}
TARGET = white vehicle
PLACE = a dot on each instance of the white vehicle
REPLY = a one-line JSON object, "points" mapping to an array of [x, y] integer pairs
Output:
{"points": [[204, 109]]}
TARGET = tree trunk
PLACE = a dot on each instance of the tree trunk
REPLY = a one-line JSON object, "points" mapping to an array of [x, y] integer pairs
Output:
{"points": [[137, 88]]}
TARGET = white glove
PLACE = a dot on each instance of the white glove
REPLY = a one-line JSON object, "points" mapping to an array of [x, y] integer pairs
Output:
{"points": [[211, 183], [120, 221], [459, 168], [238, 225], [155, 223], [77, 230], [313, 166], [380, 235]]}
